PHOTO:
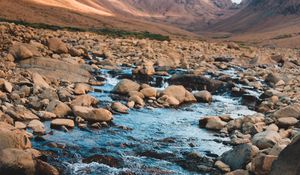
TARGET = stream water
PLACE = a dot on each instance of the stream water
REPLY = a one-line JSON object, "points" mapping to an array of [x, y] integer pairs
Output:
{"points": [[145, 141]]}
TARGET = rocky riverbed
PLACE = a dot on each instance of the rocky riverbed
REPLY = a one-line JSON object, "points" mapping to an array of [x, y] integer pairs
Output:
{"points": [[82, 103]]}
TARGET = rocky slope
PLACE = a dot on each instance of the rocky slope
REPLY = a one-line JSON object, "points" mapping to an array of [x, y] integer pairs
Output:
{"points": [[32, 92]]}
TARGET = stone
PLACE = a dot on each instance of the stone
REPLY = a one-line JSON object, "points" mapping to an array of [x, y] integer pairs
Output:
{"points": [[37, 126], [20, 113], [222, 166], [92, 114], [262, 163], [82, 88], [45, 115], [287, 121], [180, 93], [59, 108], [84, 100], [238, 172], [149, 92], [38, 80], [288, 160], [21, 51], [266, 139], [203, 96], [147, 68], [289, 111], [14, 139], [6, 85], [20, 125], [56, 123], [45, 169], [119, 107], [212, 122], [136, 93], [239, 156], [137, 100], [16, 161], [196, 82], [125, 86], [57, 46], [168, 101]]}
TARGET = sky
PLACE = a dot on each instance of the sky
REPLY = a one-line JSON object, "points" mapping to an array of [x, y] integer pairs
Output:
{"points": [[237, 1]]}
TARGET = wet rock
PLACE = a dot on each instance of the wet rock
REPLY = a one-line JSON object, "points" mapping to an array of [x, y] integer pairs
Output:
{"points": [[180, 93], [288, 160], [92, 114], [197, 82], [250, 101], [57, 123], [37, 127], [84, 100], [239, 156], [104, 159], [125, 86], [146, 68], [239, 172], [203, 96], [59, 108], [82, 88], [45, 169], [222, 166], [20, 125], [266, 139], [289, 111], [272, 79], [119, 107], [57, 46], [168, 101], [149, 92], [136, 93], [16, 161], [212, 122], [137, 100]]}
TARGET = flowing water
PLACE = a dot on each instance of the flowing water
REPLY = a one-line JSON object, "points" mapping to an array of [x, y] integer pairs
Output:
{"points": [[145, 141]]}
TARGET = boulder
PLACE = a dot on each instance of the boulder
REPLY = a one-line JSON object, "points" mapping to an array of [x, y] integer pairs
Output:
{"points": [[119, 107], [266, 139], [14, 139], [20, 113], [289, 111], [287, 121], [262, 163], [84, 100], [147, 68], [44, 168], [125, 86], [45, 115], [196, 82], [203, 96], [288, 162], [168, 101], [239, 156], [149, 92], [21, 51], [137, 100], [16, 161], [7, 86], [212, 122], [57, 46], [222, 166], [59, 108], [82, 88], [92, 114], [38, 80], [62, 122], [37, 126], [180, 93]]}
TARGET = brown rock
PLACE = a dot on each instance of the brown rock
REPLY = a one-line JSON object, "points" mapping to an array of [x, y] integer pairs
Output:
{"points": [[82, 88], [59, 108], [57, 46], [125, 86], [149, 92], [84, 100], [203, 96], [212, 122], [119, 107], [92, 114], [62, 122], [38, 80], [266, 139]]}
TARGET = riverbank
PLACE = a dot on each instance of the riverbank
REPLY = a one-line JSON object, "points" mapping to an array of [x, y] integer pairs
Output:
{"points": [[49, 76]]}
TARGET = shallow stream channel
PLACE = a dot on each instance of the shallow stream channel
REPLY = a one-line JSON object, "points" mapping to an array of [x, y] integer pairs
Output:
{"points": [[145, 141]]}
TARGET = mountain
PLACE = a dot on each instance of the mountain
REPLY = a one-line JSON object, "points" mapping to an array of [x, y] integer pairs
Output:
{"points": [[273, 22], [153, 15]]}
